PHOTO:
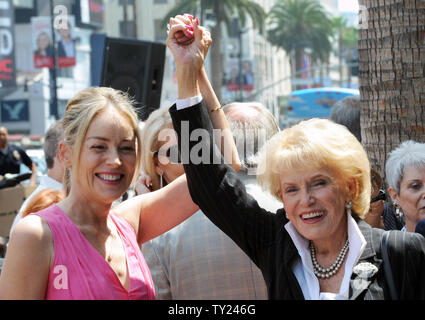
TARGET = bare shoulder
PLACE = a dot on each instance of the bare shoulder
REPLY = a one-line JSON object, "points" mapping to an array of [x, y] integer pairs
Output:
{"points": [[32, 233], [30, 252], [32, 226]]}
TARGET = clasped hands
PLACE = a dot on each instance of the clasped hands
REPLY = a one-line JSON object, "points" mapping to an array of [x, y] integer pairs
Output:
{"points": [[188, 41]]}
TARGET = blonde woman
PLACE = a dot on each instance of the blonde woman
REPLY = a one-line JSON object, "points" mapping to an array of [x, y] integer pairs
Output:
{"points": [[160, 167], [317, 247], [82, 248]]}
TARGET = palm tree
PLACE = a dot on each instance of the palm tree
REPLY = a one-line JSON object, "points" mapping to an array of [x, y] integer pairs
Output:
{"points": [[391, 76], [224, 12], [300, 24]]}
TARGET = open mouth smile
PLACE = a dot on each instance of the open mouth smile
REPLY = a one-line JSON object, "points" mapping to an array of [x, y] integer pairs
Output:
{"points": [[313, 217], [109, 177]]}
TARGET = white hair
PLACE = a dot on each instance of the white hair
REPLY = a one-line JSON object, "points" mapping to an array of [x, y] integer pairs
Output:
{"points": [[409, 153]]}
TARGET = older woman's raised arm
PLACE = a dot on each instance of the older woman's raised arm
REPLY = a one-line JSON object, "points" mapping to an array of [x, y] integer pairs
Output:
{"points": [[213, 185], [164, 209]]}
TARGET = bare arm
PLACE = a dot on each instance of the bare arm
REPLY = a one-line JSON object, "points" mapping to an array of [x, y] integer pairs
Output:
{"points": [[160, 210], [26, 268], [219, 121]]}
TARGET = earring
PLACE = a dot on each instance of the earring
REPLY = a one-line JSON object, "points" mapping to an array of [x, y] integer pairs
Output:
{"points": [[348, 206], [161, 181], [397, 209]]}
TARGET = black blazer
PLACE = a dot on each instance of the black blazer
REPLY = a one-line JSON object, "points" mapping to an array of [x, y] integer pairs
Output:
{"points": [[222, 197]]}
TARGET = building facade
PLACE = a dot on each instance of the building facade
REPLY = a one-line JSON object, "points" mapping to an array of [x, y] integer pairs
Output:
{"points": [[131, 19]]}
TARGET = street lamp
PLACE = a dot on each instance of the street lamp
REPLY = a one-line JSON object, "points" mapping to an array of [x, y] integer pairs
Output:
{"points": [[240, 77], [53, 73]]}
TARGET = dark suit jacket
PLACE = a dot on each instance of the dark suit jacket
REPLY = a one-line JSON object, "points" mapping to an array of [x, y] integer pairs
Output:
{"points": [[215, 187]]}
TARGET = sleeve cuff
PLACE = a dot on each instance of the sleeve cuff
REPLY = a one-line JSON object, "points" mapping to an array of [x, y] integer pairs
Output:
{"points": [[188, 102]]}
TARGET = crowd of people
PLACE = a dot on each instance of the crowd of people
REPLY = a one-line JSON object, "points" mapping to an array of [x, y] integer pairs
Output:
{"points": [[227, 205]]}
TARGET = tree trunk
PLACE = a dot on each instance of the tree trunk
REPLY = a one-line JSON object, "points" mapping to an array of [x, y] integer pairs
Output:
{"points": [[391, 75], [216, 58], [341, 80]]}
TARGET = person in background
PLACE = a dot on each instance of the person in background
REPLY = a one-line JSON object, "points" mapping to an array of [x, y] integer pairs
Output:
{"points": [[381, 213], [316, 246], [196, 260], [347, 113], [11, 157], [375, 215], [405, 175], [42, 200], [55, 167]]}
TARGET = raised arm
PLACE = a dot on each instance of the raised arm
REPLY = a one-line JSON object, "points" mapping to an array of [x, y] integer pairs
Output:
{"points": [[215, 186], [159, 211], [180, 38]]}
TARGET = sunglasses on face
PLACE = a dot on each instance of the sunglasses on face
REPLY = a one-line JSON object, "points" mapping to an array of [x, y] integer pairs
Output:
{"points": [[172, 153], [380, 196]]}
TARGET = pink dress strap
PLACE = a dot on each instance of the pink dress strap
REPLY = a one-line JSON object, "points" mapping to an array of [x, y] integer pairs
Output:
{"points": [[79, 272]]}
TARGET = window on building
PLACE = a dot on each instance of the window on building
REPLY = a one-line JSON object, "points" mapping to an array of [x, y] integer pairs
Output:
{"points": [[24, 10], [29, 4], [160, 1]]}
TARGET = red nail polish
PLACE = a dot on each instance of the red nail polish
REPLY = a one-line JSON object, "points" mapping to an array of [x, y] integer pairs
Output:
{"points": [[189, 27], [197, 21]]}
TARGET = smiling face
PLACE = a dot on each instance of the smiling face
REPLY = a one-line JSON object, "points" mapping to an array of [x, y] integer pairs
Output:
{"points": [[411, 198], [107, 159], [314, 204]]}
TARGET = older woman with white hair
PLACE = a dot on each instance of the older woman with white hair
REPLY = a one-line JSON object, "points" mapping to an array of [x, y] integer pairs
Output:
{"points": [[405, 175], [316, 246]]}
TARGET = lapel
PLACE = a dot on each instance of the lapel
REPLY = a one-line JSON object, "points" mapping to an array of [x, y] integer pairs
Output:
{"points": [[368, 265]]}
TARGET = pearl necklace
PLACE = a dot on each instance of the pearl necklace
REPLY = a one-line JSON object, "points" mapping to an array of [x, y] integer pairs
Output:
{"points": [[333, 269]]}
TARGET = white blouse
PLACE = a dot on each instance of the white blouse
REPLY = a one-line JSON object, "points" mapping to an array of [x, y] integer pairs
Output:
{"points": [[303, 268]]}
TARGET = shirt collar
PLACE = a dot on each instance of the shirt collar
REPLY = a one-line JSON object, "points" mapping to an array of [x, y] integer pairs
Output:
{"points": [[356, 248], [50, 183]]}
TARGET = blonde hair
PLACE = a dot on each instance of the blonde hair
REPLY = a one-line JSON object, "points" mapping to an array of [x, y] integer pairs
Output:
{"points": [[158, 120], [80, 112], [313, 144]]}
